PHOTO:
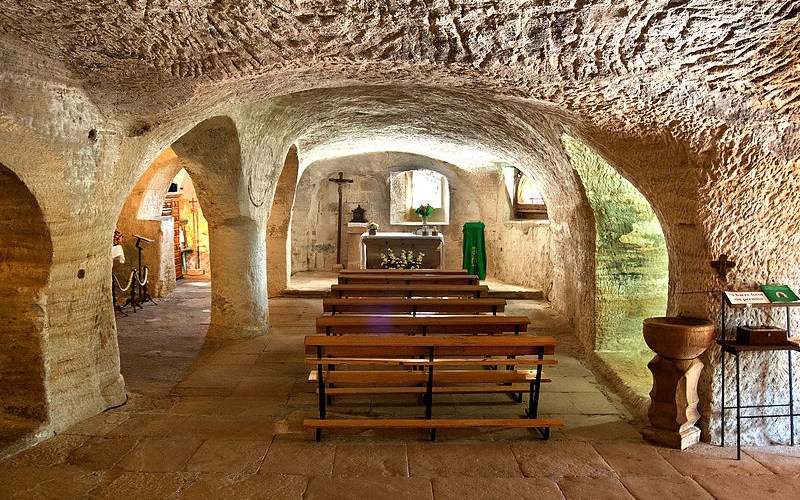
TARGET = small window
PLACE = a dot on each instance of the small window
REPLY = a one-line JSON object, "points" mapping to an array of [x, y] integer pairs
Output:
{"points": [[523, 192], [413, 188]]}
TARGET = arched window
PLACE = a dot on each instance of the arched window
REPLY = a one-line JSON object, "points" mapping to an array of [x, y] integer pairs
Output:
{"points": [[527, 202], [413, 188]]}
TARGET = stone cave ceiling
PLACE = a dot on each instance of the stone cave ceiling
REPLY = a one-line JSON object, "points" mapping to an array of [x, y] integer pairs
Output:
{"points": [[529, 49]]}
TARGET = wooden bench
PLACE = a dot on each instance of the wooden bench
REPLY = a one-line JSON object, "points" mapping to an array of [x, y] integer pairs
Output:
{"points": [[349, 324], [378, 279], [392, 290], [445, 364], [413, 305], [402, 271]]}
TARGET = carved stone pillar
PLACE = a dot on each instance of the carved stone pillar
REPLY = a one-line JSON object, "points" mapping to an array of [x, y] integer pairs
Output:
{"points": [[673, 402], [239, 288]]}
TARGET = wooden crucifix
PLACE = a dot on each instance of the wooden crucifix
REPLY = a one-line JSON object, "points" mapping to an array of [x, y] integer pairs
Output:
{"points": [[339, 182]]}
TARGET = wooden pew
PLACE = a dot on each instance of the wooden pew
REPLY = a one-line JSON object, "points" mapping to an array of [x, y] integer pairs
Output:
{"points": [[378, 279], [392, 290], [414, 305], [348, 324], [446, 364], [403, 271]]}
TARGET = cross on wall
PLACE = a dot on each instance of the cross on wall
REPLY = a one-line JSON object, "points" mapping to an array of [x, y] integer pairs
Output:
{"points": [[340, 181]]}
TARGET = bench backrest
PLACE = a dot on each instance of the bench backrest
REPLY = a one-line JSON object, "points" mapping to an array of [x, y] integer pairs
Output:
{"points": [[393, 290], [409, 279], [421, 325], [413, 305], [366, 346], [403, 271]]}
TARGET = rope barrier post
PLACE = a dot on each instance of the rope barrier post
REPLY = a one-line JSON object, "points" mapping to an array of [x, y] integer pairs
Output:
{"points": [[144, 296]]}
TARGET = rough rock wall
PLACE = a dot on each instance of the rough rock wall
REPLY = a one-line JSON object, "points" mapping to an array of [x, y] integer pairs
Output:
{"points": [[50, 129], [630, 253]]}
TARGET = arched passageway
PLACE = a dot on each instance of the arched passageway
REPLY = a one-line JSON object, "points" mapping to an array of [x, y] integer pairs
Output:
{"points": [[25, 259], [279, 226]]}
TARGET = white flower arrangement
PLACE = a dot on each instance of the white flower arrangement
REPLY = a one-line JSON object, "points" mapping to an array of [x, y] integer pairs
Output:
{"points": [[406, 260]]}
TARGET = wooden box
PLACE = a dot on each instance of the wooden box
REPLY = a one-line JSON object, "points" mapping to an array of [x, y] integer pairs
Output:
{"points": [[761, 335]]}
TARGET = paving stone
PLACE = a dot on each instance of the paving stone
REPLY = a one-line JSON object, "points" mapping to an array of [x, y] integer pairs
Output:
{"points": [[746, 487], [230, 456], [778, 459], [245, 487], [15, 479], [481, 488], [459, 460], [299, 459], [148, 425], [60, 487], [53, 451], [634, 459], [217, 426], [598, 428], [657, 488], [596, 488], [99, 424], [555, 458], [101, 453], [141, 486], [359, 460], [395, 488], [196, 405], [704, 459], [160, 454]]}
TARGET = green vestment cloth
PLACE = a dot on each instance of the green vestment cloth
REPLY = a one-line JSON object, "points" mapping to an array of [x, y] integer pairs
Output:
{"points": [[474, 250]]}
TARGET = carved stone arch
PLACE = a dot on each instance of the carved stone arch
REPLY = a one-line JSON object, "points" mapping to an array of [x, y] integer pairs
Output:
{"points": [[26, 255], [279, 226]]}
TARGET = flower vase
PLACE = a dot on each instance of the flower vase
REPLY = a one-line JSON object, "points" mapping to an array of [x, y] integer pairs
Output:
{"points": [[424, 225]]}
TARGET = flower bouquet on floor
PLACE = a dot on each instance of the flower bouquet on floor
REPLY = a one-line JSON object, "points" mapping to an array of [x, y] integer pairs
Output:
{"points": [[406, 260]]}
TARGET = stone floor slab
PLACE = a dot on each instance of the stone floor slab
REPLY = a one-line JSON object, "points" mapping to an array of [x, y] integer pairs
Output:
{"points": [[395, 488], [484, 488], [245, 487], [309, 459], [141, 486], [373, 460], [746, 487], [462, 460], [560, 458], [160, 455], [635, 458], [229, 456], [778, 459], [657, 488], [596, 488], [102, 453], [705, 460]]}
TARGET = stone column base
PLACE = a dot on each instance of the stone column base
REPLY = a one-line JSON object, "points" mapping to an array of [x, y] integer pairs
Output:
{"points": [[672, 439]]}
